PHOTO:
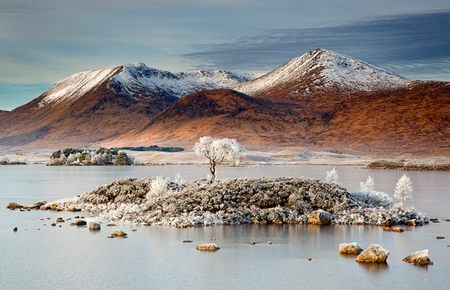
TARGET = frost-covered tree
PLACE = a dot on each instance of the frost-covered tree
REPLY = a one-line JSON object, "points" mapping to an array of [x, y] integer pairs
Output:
{"points": [[370, 196], [217, 151], [403, 189], [368, 185], [332, 176]]}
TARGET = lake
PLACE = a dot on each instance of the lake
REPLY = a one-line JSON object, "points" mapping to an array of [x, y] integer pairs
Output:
{"points": [[45, 257]]}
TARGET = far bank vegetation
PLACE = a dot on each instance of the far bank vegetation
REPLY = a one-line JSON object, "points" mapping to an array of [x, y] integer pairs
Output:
{"points": [[101, 156]]}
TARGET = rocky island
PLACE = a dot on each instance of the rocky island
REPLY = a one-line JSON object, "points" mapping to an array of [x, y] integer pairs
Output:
{"points": [[157, 201]]}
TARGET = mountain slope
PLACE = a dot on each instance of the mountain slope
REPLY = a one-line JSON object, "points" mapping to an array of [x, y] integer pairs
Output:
{"points": [[220, 112], [322, 70], [91, 106]]}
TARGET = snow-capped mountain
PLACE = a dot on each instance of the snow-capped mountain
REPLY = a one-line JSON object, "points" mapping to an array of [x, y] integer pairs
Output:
{"points": [[323, 69], [132, 80]]}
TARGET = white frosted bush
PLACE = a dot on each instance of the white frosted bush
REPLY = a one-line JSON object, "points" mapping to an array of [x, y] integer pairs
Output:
{"points": [[332, 176], [403, 190], [370, 196], [158, 187], [178, 179], [368, 185]]}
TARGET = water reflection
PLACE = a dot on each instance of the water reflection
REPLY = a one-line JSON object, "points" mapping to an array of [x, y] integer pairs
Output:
{"points": [[374, 268]]}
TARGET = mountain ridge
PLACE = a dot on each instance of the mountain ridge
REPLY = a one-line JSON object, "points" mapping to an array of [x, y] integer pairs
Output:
{"points": [[321, 100]]}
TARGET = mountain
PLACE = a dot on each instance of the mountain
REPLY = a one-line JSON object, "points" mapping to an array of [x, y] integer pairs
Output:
{"points": [[219, 112], [95, 105], [322, 70], [321, 101]]}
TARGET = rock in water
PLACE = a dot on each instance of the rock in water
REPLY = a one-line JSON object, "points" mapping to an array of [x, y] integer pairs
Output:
{"points": [[79, 223], [320, 217], [350, 249], [117, 234], [60, 220], [15, 229], [94, 226], [419, 258], [207, 247], [14, 205], [373, 254]]}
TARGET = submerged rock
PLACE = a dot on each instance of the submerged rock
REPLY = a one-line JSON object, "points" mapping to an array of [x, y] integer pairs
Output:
{"points": [[350, 249], [373, 254], [207, 247], [397, 230], [94, 226], [320, 217], [419, 258]]}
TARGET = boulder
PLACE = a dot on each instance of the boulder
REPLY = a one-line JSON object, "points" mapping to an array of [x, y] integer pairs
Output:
{"points": [[15, 229], [14, 205], [207, 247], [117, 234], [350, 249], [94, 226], [79, 223], [37, 205], [419, 258], [440, 237], [60, 220], [320, 217], [373, 254]]}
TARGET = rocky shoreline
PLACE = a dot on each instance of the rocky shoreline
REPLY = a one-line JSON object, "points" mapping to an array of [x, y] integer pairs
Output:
{"points": [[235, 201]]}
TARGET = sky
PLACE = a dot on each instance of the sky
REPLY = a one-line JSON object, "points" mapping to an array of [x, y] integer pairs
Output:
{"points": [[44, 41]]}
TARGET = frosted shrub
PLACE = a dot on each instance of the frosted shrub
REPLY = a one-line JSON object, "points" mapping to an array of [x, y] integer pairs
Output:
{"points": [[332, 176], [370, 196], [158, 187], [217, 151], [178, 180], [368, 185], [403, 190]]}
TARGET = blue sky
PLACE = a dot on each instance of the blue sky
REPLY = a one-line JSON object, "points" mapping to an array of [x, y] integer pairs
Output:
{"points": [[44, 41]]}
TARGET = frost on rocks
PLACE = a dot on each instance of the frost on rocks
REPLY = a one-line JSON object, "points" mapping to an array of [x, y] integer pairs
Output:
{"points": [[327, 69], [234, 201]]}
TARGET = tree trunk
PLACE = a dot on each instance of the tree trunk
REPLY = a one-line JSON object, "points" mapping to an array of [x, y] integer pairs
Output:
{"points": [[212, 169]]}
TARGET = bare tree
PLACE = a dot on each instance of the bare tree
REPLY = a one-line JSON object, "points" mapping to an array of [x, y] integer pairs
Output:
{"points": [[217, 151]]}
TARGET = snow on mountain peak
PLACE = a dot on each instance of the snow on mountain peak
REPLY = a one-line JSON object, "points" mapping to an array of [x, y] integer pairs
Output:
{"points": [[75, 86], [324, 68], [135, 77]]}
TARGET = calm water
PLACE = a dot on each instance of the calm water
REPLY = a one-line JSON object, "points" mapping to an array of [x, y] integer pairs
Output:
{"points": [[156, 258]]}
